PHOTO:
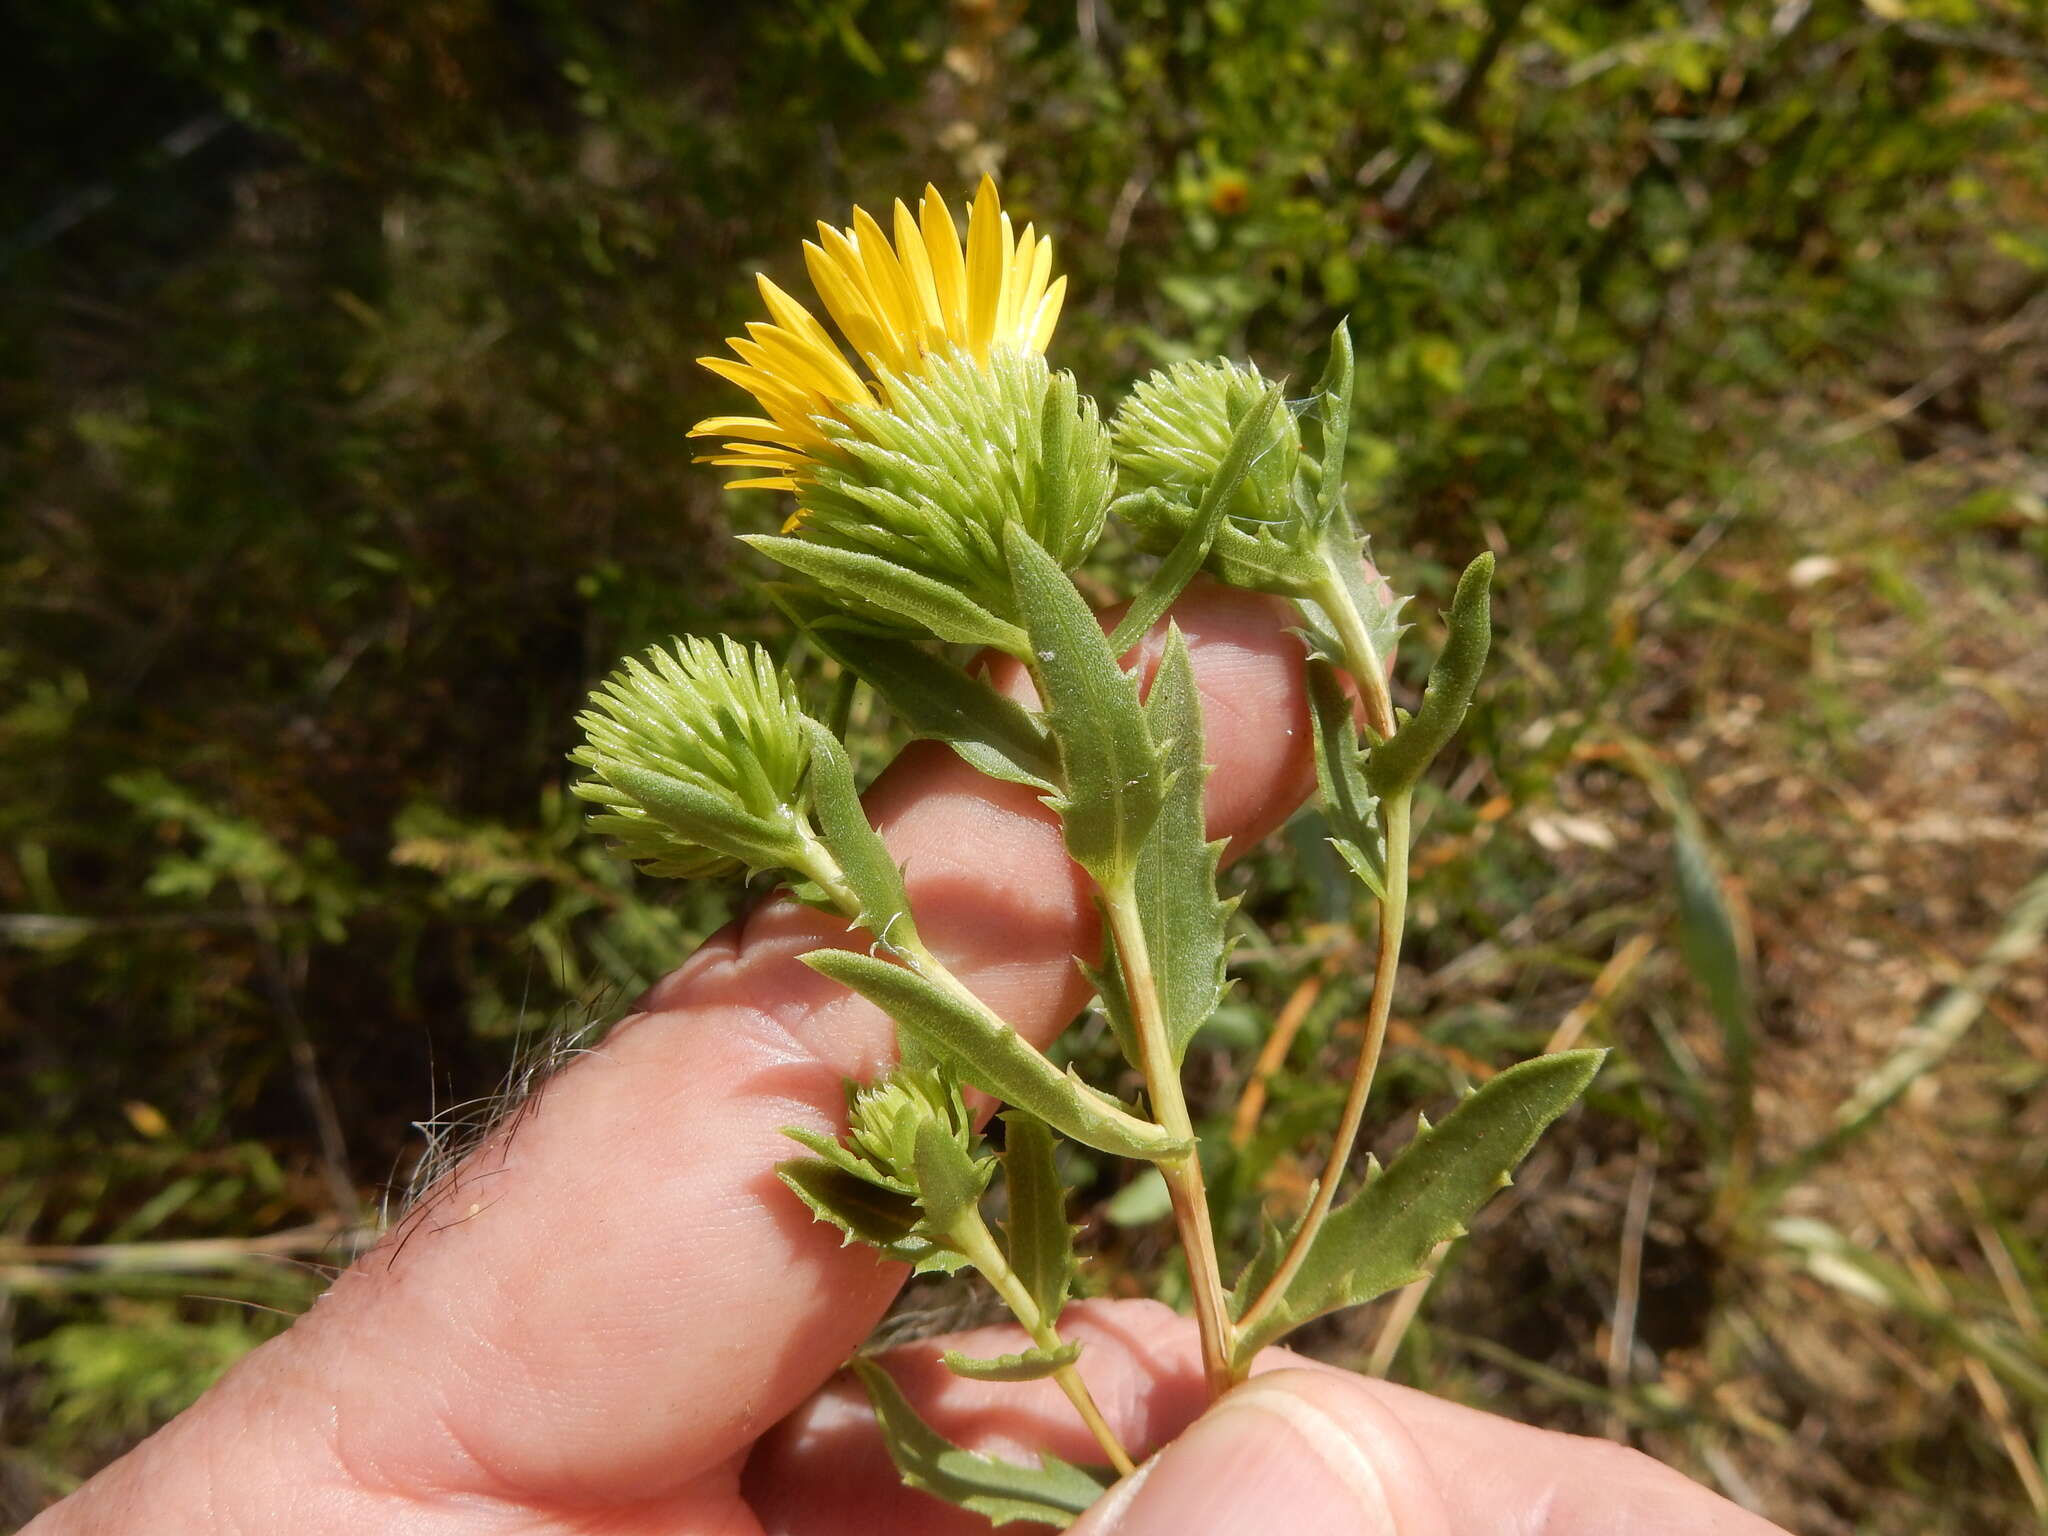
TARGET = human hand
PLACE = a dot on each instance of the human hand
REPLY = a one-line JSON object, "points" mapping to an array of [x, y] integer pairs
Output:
{"points": [[613, 1318]]}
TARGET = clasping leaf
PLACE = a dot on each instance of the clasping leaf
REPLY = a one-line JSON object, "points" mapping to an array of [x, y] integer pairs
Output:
{"points": [[992, 1056], [1380, 1239], [1185, 922], [940, 702], [856, 847], [1333, 415], [1037, 1234], [873, 584], [1054, 1492], [1025, 1365], [1112, 773], [1349, 805], [1396, 765]]}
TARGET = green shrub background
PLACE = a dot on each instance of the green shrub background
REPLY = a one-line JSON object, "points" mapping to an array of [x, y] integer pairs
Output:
{"points": [[346, 354]]}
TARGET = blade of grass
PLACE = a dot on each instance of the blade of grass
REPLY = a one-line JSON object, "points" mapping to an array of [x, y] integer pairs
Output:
{"points": [[1940, 1030]]}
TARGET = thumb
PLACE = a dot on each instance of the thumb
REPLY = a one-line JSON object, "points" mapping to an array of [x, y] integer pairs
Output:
{"points": [[1307, 1453]]}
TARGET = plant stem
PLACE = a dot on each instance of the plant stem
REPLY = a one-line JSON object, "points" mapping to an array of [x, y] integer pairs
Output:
{"points": [[1393, 918], [1183, 1174], [909, 950], [972, 1237], [1368, 668], [822, 869]]}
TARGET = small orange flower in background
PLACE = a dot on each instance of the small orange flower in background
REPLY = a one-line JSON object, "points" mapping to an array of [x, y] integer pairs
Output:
{"points": [[895, 305], [1230, 193]]}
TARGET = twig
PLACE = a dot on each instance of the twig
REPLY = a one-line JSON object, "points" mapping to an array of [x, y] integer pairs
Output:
{"points": [[1613, 975], [2014, 328], [1621, 1339], [1401, 1316], [48, 1266], [1393, 918], [1252, 1102], [334, 1163]]}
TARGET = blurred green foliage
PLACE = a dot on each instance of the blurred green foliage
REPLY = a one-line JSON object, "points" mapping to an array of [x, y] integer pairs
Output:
{"points": [[346, 354]]}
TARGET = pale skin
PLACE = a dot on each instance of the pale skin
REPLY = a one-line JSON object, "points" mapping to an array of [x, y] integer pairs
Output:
{"points": [[615, 1320]]}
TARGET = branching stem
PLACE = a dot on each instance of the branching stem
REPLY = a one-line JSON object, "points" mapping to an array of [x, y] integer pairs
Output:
{"points": [[1183, 1174], [970, 1234], [1393, 919]]}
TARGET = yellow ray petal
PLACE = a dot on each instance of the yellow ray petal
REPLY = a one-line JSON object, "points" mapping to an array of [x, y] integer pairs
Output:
{"points": [[988, 251], [757, 377], [774, 396], [917, 270], [792, 316], [803, 366], [745, 426], [769, 458], [791, 409], [1049, 313], [842, 284], [1016, 275], [949, 273], [823, 368], [1025, 325], [890, 289]]}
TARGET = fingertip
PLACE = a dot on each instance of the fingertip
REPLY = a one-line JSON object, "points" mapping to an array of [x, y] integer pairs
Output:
{"points": [[1299, 1451]]}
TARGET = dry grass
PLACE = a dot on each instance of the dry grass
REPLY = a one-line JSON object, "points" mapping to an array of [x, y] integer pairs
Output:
{"points": [[1854, 704]]}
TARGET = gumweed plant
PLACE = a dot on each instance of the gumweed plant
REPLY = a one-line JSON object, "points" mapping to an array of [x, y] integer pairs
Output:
{"points": [[946, 481]]}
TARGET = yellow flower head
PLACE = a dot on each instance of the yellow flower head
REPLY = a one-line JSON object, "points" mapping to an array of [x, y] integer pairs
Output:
{"points": [[896, 305]]}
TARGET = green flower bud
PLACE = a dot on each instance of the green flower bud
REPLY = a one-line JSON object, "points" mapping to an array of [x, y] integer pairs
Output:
{"points": [[908, 1170], [698, 756], [928, 482], [887, 1116], [1171, 435]]}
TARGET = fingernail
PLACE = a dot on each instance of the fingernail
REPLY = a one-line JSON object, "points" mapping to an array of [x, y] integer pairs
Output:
{"points": [[1263, 1459]]}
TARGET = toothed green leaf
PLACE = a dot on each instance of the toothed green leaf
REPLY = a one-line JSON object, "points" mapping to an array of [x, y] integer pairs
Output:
{"points": [[1342, 558], [866, 1212], [1112, 773], [1395, 765], [986, 1052], [830, 1149], [1274, 1241], [872, 584], [1114, 998], [863, 859], [1054, 1492], [1333, 415], [1186, 923], [938, 701], [1368, 867], [1025, 1365], [1349, 806], [1381, 1238], [1037, 1234], [950, 1181]]}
